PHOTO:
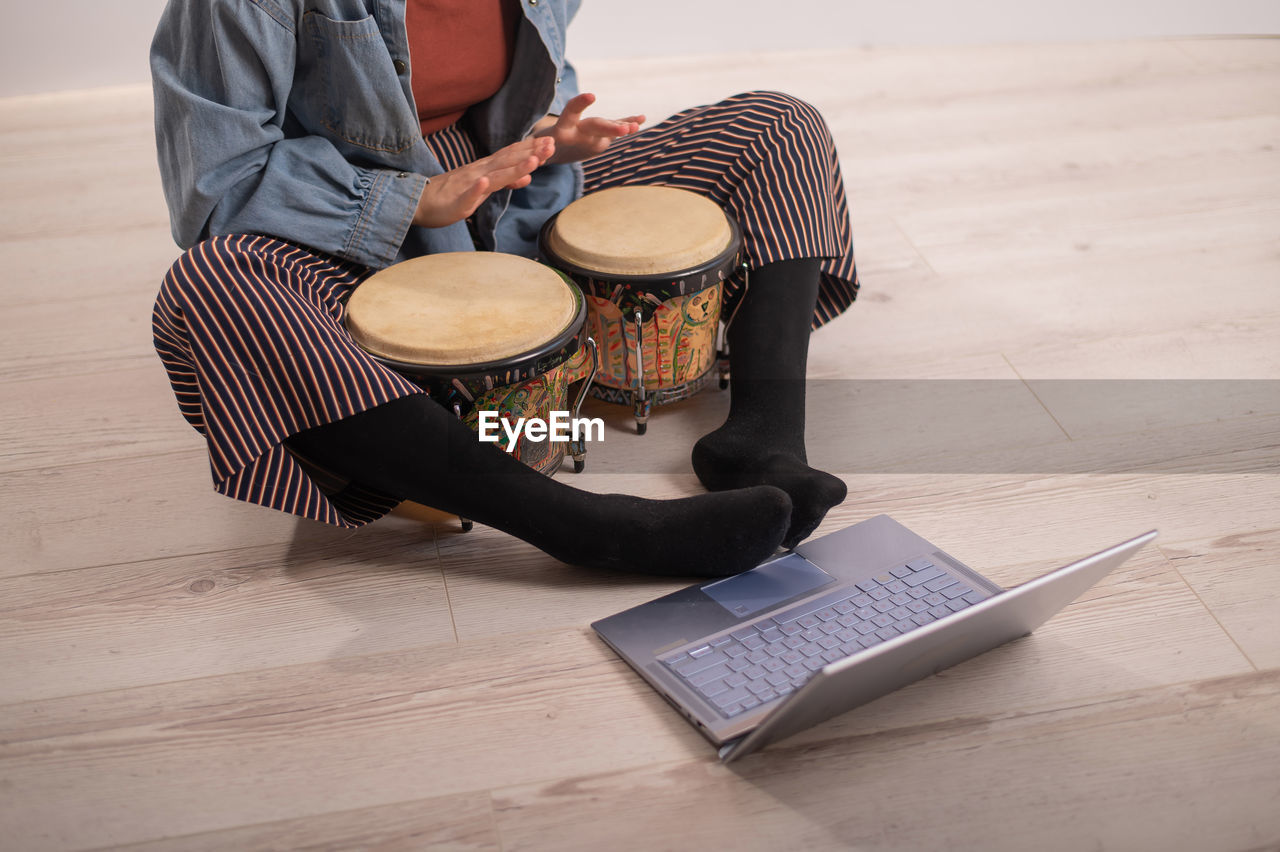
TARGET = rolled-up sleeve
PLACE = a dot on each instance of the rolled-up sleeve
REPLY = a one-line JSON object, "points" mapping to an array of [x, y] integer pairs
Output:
{"points": [[223, 73]]}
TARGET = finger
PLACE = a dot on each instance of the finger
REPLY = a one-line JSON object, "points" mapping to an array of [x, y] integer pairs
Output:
{"points": [[477, 193], [511, 174], [450, 198], [606, 127], [545, 148], [520, 184], [541, 147], [576, 106]]}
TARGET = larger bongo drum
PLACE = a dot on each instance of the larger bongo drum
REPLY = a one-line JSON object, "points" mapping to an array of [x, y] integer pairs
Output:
{"points": [[652, 262], [481, 331]]}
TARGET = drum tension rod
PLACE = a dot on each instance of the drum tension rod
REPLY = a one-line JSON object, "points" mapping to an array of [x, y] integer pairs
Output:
{"points": [[578, 447], [723, 354], [638, 396]]}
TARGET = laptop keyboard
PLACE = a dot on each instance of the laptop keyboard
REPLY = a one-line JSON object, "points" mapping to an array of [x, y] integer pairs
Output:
{"points": [[774, 656]]}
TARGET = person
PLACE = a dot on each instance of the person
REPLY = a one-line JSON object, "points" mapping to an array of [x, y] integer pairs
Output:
{"points": [[305, 145]]}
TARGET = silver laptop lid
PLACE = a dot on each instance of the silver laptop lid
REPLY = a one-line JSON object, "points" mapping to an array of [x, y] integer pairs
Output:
{"points": [[853, 681]]}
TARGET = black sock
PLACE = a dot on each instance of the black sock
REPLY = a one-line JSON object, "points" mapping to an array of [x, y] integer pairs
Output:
{"points": [[413, 448], [762, 440]]}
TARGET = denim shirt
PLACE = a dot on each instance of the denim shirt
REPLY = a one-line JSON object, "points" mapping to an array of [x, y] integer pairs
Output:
{"points": [[290, 118]]}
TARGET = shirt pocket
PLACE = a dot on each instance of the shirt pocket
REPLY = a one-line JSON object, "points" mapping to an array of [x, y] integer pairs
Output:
{"points": [[347, 85]]}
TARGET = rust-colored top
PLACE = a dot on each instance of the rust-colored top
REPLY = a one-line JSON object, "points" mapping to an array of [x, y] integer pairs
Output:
{"points": [[461, 53]]}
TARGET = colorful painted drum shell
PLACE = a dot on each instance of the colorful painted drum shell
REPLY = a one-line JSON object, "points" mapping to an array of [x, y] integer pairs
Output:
{"points": [[678, 340], [535, 398]]}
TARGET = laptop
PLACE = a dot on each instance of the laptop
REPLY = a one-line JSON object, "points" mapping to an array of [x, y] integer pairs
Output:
{"points": [[841, 620]]}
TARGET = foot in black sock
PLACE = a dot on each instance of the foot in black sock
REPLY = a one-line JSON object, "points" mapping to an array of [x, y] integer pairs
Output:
{"points": [[723, 461], [762, 440], [710, 535], [413, 449]]}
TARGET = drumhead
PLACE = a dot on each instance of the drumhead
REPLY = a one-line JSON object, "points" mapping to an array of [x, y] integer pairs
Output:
{"points": [[639, 231], [461, 308]]}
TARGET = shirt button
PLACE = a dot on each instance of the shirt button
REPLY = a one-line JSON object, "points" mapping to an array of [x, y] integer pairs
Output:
{"points": [[403, 175], [400, 66], [558, 80], [533, 2]]}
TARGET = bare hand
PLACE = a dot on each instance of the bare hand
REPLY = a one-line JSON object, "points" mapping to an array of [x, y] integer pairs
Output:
{"points": [[455, 195], [578, 138]]}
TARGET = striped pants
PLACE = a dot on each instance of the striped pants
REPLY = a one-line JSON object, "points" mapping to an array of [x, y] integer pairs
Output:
{"points": [[250, 328]]}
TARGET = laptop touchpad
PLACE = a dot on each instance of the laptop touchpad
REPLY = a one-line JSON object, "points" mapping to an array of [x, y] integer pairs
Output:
{"points": [[769, 584]]}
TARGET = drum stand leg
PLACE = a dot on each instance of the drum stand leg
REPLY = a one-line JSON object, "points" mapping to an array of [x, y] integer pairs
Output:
{"points": [[722, 355], [639, 401], [578, 446], [467, 523]]}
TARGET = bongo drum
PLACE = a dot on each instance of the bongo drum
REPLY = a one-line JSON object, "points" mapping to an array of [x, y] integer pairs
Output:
{"points": [[482, 331], [652, 261]]}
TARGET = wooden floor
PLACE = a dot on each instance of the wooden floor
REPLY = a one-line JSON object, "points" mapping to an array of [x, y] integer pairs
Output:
{"points": [[179, 671]]}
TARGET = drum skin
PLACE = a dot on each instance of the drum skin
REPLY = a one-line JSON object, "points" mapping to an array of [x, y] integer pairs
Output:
{"points": [[479, 331], [630, 231]]}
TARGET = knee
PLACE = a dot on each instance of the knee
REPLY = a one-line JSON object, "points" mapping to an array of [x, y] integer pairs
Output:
{"points": [[785, 110]]}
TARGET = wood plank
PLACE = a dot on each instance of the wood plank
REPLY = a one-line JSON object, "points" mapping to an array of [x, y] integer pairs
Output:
{"points": [[122, 267], [1099, 774], [149, 507], [52, 340], [124, 626], [1086, 408], [1050, 327], [491, 573], [1041, 522], [1098, 296], [124, 413], [62, 189], [285, 743], [462, 822], [1129, 222], [1242, 348], [1233, 53], [1063, 161], [1032, 114], [112, 113], [1234, 574], [1131, 428], [850, 83]]}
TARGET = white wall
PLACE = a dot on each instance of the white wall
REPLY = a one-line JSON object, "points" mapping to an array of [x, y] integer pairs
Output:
{"points": [[48, 45]]}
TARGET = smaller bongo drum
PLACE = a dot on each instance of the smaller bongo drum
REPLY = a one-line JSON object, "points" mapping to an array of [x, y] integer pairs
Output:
{"points": [[652, 261], [482, 331]]}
